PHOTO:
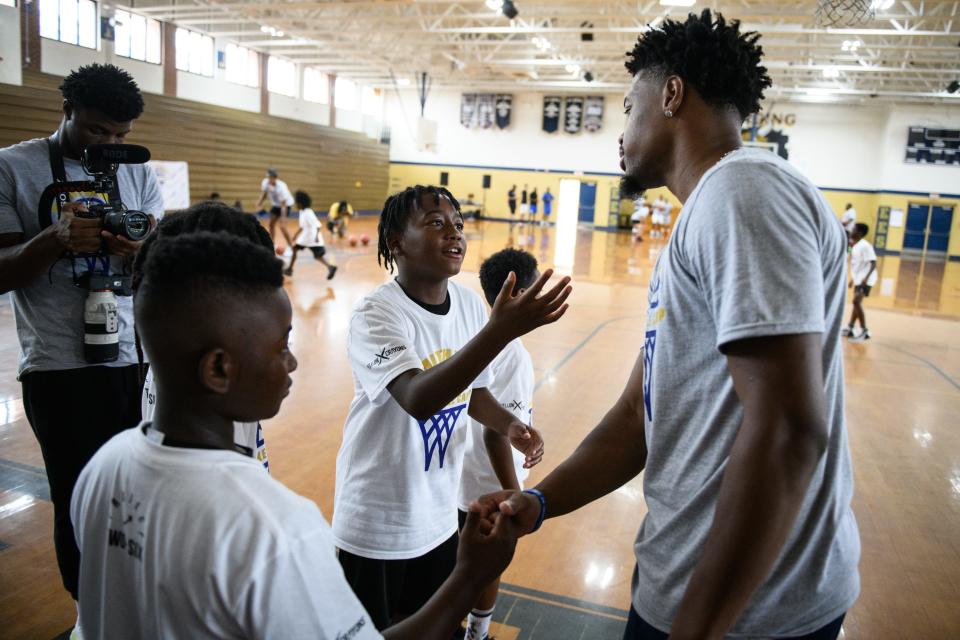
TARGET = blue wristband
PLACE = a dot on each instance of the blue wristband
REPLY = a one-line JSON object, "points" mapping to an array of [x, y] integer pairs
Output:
{"points": [[543, 506]]}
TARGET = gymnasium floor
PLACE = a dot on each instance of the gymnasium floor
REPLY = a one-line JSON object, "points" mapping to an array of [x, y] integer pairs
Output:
{"points": [[572, 579]]}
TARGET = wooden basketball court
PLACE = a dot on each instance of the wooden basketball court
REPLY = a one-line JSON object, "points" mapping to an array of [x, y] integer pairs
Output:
{"points": [[903, 399]]}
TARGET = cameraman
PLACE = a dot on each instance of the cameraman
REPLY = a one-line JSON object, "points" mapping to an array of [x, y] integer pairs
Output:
{"points": [[73, 407]]}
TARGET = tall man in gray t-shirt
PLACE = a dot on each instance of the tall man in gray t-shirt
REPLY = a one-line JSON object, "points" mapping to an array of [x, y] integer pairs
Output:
{"points": [[734, 410], [73, 407]]}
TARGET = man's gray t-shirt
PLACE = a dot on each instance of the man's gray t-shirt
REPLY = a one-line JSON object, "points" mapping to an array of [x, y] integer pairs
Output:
{"points": [[756, 251], [49, 311]]}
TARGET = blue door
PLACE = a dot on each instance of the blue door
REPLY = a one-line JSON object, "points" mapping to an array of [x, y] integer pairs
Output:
{"points": [[916, 231], [588, 201], [940, 221]]}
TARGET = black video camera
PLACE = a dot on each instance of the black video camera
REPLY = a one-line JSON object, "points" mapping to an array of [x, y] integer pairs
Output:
{"points": [[101, 162]]}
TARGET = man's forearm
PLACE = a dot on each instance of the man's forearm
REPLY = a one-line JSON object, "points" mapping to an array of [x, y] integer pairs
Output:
{"points": [[613, 454], [22, 263], [763, 487]]}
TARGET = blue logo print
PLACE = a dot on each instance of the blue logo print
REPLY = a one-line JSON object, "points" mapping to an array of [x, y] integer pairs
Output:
{"points": [[436, 432]]}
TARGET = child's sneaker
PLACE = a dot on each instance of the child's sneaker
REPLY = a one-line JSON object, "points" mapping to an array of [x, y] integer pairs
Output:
{"points": [[331, 271], [847, 331], [863, 336]]}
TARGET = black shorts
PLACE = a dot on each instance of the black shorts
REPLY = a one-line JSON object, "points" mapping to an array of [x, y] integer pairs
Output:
{"points": [[393, 589], [864, 289], [318, 252], [276, 212]]}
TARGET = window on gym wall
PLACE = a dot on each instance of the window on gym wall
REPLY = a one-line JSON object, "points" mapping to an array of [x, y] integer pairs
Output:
{"points": [[371, 102], [8, 3], [242, 65], [316, 86], [136, 37], [345, 94], [194, 52], [282, 76], [70, 21]]}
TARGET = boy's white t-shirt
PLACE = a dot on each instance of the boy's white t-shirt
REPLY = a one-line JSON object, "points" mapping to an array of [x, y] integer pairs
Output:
{"points": [[861, 256], [278, 194], [248, 435], [512, 386], [200, 543], [310, 226], [398, 479]]}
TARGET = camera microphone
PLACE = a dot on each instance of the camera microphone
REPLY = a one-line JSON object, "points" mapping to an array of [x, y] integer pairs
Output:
{"points": [[97, 157]]}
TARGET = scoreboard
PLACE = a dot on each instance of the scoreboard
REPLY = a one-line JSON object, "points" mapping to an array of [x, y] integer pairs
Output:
{"points": [[933, 146]]}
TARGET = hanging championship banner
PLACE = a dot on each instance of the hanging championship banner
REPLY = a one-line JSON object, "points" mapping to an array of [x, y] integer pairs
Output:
{"points": [[573, 115], [551, 113], [486, 110], [593, 114], [504, 107], [468, 109]]}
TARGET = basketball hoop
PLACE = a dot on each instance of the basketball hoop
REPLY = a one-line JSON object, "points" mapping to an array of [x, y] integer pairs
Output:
{"points": [[844, 13]]}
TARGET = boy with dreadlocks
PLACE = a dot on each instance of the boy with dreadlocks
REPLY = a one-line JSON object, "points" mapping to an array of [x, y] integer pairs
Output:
{"points": [[419, 347], [206, 216]]}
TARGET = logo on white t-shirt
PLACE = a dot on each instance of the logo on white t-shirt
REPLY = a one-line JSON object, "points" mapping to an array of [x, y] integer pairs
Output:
{"points": [[384, 355], [514, 405], [126, 526], [654, 315], [436, 436]]}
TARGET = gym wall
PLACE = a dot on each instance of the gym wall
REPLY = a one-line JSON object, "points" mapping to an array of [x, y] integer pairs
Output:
{"points": [[228, 150], [853, 153]]}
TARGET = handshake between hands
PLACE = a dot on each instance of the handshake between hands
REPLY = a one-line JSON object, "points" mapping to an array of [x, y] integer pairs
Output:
{"points": [[489, 535]]}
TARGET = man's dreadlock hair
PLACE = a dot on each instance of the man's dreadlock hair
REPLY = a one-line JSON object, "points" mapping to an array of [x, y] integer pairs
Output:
{"points": [[719, 61], [396, 212], [204, 216], [106, 88]]}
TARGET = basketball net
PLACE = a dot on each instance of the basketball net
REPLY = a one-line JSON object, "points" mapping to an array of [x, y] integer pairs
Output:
{"points": [[844, 13]]}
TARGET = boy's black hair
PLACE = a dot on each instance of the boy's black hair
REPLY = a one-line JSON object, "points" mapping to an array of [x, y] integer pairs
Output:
{"points": [[863, 229], [496, 268], [396, 212], [106, 88], [721, 63], [204, 216], [303, 199], [205, 262]]}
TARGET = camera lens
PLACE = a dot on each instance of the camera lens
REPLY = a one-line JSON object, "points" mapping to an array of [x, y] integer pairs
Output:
{"points": [[135, 225]]}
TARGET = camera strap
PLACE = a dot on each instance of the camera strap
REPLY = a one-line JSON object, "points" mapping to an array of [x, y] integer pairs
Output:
{"points": [[56, 165]]}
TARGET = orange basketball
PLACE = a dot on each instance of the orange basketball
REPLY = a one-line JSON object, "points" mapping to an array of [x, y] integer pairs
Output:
{"points": [[353, 241], [364, 239], [279, 249]]}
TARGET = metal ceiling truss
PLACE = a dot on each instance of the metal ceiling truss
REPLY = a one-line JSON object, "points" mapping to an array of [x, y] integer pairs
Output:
{"points": [[909, 52]]}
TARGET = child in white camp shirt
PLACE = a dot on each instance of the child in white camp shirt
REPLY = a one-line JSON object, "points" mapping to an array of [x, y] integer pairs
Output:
{"points": [[271, 567], [863, 276], [419, 347], [309, 236]]}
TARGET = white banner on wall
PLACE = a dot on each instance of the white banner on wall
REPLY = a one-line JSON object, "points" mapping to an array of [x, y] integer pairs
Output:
{"points": [[10, 67], [174, 178]]}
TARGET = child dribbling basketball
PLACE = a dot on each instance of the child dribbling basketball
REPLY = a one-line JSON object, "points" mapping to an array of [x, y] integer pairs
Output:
{"points": [[513, 387], [308, 236], [419, 347]]}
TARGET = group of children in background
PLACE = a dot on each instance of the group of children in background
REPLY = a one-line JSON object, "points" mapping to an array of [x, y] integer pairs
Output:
{"points": [[660, 220], [529, 203], [441, 414]]}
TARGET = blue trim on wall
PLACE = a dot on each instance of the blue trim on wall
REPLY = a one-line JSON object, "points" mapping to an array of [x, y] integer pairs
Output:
{"points": [[953, 258], [925, 194]]}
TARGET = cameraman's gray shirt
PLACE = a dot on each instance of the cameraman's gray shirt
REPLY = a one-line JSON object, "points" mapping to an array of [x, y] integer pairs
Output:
{"points": [[756, 252], [49, 311]]}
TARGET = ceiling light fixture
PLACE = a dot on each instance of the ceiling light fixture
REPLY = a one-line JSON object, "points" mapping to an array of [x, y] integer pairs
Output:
{"points": [[881, 5], [831, 72], [677, 3]]}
